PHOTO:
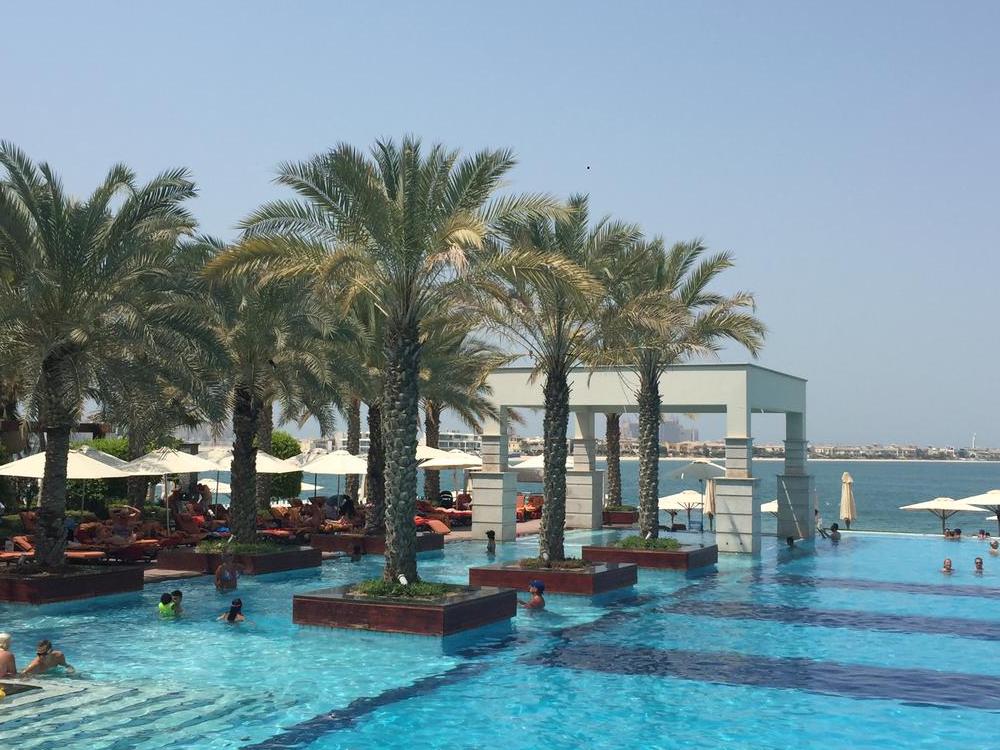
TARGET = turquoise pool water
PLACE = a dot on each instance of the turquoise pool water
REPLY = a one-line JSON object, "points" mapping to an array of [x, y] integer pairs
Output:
{"points": [[863, 645]]}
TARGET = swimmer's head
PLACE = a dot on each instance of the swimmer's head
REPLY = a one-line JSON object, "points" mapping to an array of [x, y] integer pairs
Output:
{"points": [[537, 585], [5, 641]]}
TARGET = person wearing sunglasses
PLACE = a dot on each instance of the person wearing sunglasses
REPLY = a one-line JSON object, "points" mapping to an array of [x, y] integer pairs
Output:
{"points": [[45, 659]]}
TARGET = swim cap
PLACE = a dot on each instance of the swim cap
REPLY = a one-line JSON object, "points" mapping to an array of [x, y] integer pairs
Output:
{"points": [[537, 584]]}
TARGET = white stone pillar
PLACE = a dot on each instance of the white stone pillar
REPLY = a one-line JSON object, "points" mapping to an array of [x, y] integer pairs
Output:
{"points": [[795, 485], [737, 507], [584, 484], [494, 488]]}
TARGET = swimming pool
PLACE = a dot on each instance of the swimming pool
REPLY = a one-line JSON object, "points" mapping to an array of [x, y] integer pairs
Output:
{"points": [[862, 645]]}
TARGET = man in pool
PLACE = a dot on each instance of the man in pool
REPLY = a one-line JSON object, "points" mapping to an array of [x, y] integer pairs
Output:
{"points": [[834, 532], [995, 548], [46, 659], [979, 566], [946, 566], [491, 543], [536, 588], [175, 597], [8, 667]]}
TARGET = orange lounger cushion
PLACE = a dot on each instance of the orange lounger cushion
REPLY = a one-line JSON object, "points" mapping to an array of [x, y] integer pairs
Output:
{"points": [[438, 526]]}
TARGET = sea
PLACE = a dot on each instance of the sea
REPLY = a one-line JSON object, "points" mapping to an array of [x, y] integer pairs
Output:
{"points": [[880, 488]]}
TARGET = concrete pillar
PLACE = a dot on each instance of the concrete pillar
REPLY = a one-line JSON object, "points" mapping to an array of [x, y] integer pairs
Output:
{"points": [[737, 517], [739, 457], [494, 488], [494, 502], [795, 485], [584, 485], [584, 441]]}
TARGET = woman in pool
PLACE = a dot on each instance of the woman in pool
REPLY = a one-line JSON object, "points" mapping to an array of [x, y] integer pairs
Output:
{"points": [[227, 573], [8, 667], [46, 659], [946, 566], [235, 613]]}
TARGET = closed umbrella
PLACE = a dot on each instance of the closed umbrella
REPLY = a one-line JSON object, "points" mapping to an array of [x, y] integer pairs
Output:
{"points": [[848, 511], [686, 500], [944, 508], [708, 508], [988, 501]]}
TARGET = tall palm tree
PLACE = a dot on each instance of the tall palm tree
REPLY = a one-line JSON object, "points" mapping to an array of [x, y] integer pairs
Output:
{"points": [[663, 312], [83, 283], [404, 227], [552, 318]]}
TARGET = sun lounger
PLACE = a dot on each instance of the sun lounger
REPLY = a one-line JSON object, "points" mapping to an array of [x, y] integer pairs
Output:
{"points": [[26, 546]]}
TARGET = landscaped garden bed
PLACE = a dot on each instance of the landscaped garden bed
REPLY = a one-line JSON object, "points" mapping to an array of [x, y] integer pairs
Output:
{"points": [[620, 515], [255, 559], [419, 608], [564, 577], [29, 586], [370, 545], [654, 553]]}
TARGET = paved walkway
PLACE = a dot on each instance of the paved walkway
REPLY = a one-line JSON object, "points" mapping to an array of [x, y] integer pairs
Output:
{"points": [[525, 528]]}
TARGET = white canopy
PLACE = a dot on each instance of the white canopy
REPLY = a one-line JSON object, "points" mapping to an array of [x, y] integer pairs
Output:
{"points": [[686, 500], [104, 458], [425, 453], [306, 456], [309, 487], [169, 461], [771, 507], [700, 469], [453, 459], [848, 510], [337, 462], [266, 463], [79, 465], [538, 462], [944, 508], [989, 501], [217, 487]]}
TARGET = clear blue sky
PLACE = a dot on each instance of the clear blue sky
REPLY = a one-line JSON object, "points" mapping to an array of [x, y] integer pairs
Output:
{"points": [[846, 152]]}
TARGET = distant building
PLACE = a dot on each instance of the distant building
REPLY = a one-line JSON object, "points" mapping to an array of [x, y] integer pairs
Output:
{"points": [[672, 431]]}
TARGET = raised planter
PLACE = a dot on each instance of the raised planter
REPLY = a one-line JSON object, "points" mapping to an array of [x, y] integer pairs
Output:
{"points": [[335, 608], [620, 517], [595, 579], [87, 583], [685, 558], [370, 545], [291, 558]]}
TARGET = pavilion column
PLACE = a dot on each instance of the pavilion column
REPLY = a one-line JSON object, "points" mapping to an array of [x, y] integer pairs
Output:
{"points": [[737, 510], [795, 485], [584, 483], [494, 488]]}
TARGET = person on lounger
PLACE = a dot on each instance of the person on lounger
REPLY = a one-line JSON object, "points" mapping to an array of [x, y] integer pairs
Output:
{"points": [[536, 588], [227, 573], [8, 667], [45, 659]]}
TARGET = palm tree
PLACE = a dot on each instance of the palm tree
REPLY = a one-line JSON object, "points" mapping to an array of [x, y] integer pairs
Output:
{"points": [[83, 283], [405, 228], [454, 368], [552, 318], [661, 311]]}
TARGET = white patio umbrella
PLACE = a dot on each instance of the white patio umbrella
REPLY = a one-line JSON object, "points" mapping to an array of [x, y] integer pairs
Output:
{"points": [[266, 463], [944, 508], [426, 452], [217, 487], [771, 507], [338, 462], [453, 459], [687, 500], [164, 461], [538, 462], [700, 469], [79, 465], [104, 458], [988, 501], [848, 510], [306, 456]]}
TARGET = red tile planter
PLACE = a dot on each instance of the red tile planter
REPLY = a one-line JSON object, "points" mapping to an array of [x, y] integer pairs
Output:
{"points": [[587, 581], [62, 588], [620, 517], [334, 608], [370, 545], [685, 558], [292, 558]]}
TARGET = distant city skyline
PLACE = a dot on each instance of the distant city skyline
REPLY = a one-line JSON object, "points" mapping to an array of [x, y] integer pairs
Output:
{"points": [[845, 152]]}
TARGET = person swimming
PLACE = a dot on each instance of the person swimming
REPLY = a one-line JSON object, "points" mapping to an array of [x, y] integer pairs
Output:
{"points": [[946, 566], [166, 606], [979, 566], [45, 659], [995, 547], [235, 613], [227, 574], [536, 588], [491, 543], [834, 533]]}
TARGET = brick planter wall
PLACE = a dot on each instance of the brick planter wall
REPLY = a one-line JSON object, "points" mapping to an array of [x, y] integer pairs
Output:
{"points": [[620, 517], [62, 588], [686, 558], [292, 558], [334, 608], [586, 581]]}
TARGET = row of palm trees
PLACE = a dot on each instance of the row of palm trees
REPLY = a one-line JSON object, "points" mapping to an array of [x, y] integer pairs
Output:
{"points": [[384, 281]]}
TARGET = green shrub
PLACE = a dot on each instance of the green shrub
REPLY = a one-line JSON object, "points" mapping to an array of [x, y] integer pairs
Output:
{"points": [[637, 542], [155, 513], [284, 445], [570, 563], [620, 508], [391, 590], [218, 546], [11, 525]]}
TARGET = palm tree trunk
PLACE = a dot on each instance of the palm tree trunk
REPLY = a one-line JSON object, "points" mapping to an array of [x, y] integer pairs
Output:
{"points": [[50, 538], [136, 486], [265, 428], [613, 438], [432, 430], [555, 423], [375, 478], [649, 455], [400, 415], [243, 506], [353, 445]]}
